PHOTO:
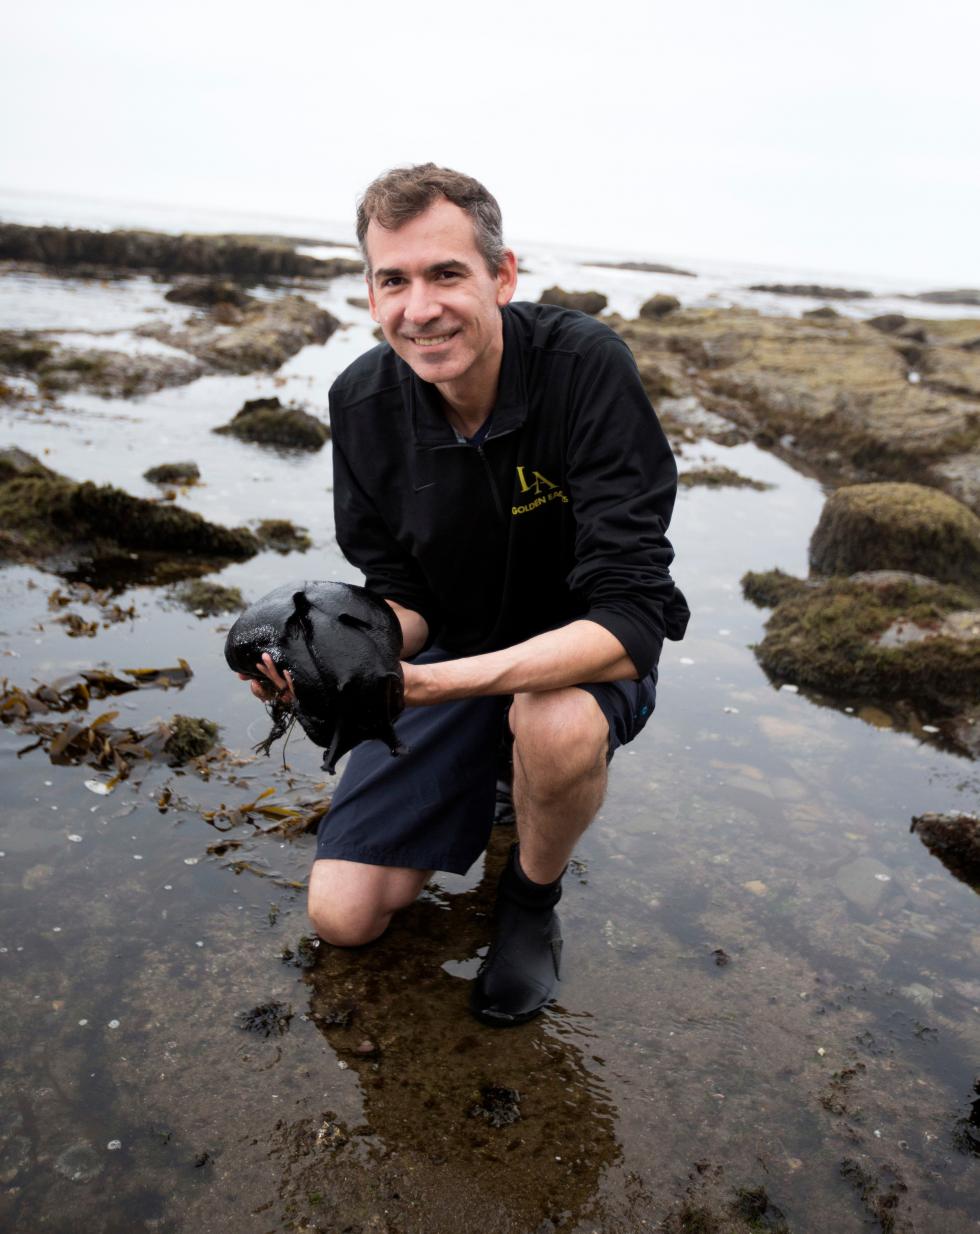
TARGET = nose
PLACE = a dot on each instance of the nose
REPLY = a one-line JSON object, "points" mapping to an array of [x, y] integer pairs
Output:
{"points": [[422, 305]]}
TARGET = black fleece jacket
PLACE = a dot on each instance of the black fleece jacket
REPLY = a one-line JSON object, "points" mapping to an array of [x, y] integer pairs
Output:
{"points": [[561, 513]]}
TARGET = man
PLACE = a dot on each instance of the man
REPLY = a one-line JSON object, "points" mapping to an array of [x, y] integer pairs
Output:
{"points": [[502, 481]]}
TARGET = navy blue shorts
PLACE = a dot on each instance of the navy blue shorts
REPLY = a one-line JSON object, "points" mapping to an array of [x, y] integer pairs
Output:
{"points": [[431, 808]]}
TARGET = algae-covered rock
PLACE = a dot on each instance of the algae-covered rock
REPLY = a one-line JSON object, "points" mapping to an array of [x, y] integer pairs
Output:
{"points": [[719, 477], [282, 536], [190, 737], [267, 422], [45, 516], [960, 295], [852, 403], [173, 473], [888, 323], [644, 267], [824, 313], [207, 599], [897, 527], [57, 369], [772, 587], [591, 302], [659, 306], [955, 840], [264, 336], [880, 637]]}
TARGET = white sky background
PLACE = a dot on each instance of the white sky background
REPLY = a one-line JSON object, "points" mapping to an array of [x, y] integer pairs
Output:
{"points": [[840, 136]]}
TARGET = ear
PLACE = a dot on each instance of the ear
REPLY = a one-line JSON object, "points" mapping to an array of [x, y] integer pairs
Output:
{"points": [[507, 278], [375, 315]]}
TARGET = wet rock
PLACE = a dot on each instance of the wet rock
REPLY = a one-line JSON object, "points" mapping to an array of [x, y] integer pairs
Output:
{"points": [[57, 369], [645, 267], [955, 840], [772, 587], [359, 302], [966, 1130], [206, 599], [897, 527], [591, 302], [863, 883], [267, 335], [47, 518], [499, 1106], [839, 636], [824, 313], [839, 398], [266, 422], [888, 323], [79, 1164], [88, 252], [282, 536], [268, 1019], [721, 957], [206, 293], [173, 473], [719, 477], [190, 737], [659, 306], [815, 291], [305, 954]]}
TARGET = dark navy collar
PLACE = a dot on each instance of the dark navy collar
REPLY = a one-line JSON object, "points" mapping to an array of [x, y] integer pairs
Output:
{"points": [[430, 426]]}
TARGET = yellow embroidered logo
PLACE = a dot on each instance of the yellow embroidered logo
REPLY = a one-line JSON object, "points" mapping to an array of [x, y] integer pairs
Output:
{"points": [[543, 489]]}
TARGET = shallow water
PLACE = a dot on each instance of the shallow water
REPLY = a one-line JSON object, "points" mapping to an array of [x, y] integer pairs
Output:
{"points": [[745, 820]]}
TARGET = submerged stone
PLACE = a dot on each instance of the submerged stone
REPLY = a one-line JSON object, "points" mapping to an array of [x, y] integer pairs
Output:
{"points": [[79, 1164], [282, 536], [499, 1106], [207, 599]]}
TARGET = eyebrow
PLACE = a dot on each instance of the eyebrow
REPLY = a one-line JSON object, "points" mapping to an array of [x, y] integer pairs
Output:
{"points": [[436, 268]]}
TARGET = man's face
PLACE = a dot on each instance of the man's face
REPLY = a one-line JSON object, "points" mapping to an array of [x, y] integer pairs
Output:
{"points": [[436, 301]]}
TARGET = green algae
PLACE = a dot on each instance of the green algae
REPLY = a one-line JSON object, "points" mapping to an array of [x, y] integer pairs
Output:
{"points": [[282, 536], [190, 737], [266, 422], [207, 599]]}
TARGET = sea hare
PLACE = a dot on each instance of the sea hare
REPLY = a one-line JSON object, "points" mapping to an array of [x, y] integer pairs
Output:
{"points": [[341, 646]]}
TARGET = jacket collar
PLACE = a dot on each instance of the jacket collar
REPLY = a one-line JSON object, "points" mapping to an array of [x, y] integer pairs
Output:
{"points": [[430, 427]]}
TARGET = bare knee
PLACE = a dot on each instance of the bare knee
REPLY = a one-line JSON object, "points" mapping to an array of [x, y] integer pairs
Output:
{"points": [[350, 903], [559, 735]]}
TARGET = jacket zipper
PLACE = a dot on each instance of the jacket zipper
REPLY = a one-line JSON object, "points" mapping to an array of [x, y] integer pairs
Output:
{"points": [[490, 480]]}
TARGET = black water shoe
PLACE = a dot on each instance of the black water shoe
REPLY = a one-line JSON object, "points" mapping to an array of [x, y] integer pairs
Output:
{"points": [[520, 975]]}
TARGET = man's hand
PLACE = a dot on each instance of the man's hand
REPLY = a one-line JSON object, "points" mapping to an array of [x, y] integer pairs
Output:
{"points": [[280, 686]]}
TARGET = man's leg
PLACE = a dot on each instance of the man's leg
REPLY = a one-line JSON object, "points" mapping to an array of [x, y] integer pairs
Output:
{"points": [[351, 903], [561, 739], [561, 743]]}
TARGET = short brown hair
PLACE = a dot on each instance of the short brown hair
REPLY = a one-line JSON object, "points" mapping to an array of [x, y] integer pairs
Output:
{"points": [[406, 192]]}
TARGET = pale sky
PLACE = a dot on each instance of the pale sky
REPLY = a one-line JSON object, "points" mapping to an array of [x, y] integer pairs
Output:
{"points": [[839, 136]]}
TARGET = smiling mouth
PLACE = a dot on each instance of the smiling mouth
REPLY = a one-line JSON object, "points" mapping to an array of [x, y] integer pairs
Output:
{"points": [[430, 340]]}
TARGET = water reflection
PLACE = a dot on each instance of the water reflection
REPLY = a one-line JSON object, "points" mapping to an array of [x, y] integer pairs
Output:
{"points": [[498, 1130]]}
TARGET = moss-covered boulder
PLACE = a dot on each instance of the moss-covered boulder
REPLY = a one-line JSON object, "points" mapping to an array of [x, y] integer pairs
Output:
{"points": [[47, 517], [591, 302], [267, 422], [897, 527], [173, 473], [717, 476]]}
